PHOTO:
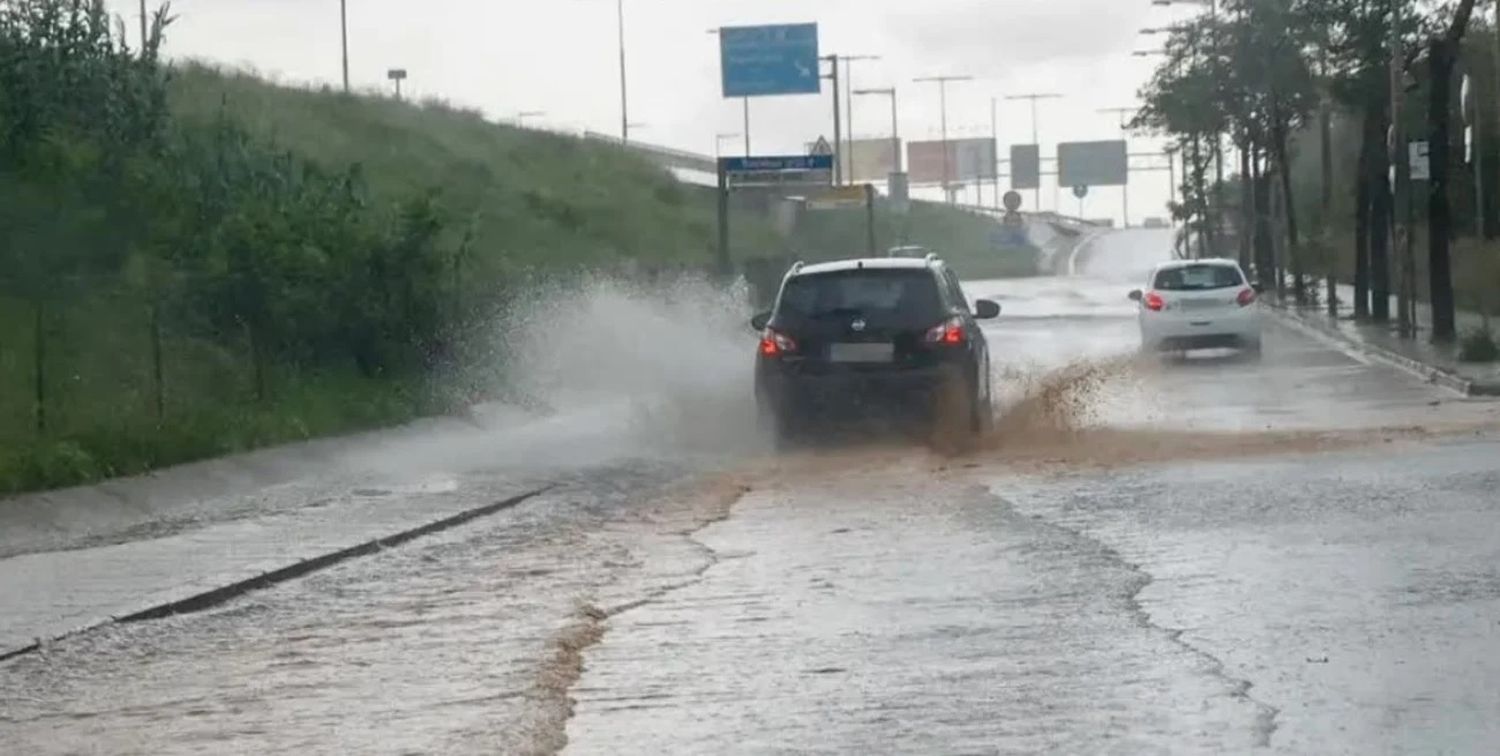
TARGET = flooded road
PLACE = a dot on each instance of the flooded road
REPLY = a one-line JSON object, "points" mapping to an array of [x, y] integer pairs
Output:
{"points": [[1216, 555]]}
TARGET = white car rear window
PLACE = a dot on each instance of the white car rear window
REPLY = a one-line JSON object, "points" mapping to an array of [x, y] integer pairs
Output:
{"points": [[1198, 278]]}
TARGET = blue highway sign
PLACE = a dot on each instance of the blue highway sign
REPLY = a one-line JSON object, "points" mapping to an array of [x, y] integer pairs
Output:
{"points": [[778, 163], [758, 61]]}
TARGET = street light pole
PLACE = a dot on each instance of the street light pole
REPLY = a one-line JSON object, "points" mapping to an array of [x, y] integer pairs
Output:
{"points": [[624, 107], [747, 127], [838, 127], [1036, 138], [895, 126], [995, 142], [849, 102], [1125, 134], [343, 34], [942, 82]]}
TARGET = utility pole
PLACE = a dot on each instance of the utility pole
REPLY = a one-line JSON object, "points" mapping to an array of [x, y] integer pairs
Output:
{"points": [[838, 127], [1325, 138], [942, 82], [343, 35], [747, 127], [624, 107], [849, 111], [1401, 155], [1125, 189], [1036, 134], [995, 140], [895, 125]]}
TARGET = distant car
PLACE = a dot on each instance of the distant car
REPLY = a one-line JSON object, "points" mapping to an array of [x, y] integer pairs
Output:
{"points": [[896, 332], [1199, 304]]}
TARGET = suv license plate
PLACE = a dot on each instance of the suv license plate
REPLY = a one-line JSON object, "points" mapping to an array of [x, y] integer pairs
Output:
{"points": [[862, 353]]}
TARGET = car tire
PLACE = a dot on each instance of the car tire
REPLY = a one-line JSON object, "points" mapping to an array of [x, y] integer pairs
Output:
{"points": [[1253, 351], [956, 417], [775, 424]]}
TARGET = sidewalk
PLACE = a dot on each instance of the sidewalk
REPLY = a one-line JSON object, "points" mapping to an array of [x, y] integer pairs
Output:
{"points": [[1436, 363], [50, 595]]}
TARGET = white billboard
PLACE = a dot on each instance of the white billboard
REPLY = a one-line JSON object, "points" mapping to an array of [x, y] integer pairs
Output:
{"points": [[967, 160], [867, 160], [1093, 163]]}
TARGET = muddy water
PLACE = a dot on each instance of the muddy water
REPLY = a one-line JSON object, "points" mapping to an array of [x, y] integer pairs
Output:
{"points": [[868, 597]]}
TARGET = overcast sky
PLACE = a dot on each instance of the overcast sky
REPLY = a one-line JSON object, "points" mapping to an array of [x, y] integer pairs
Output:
{"points": [[562, 57]]}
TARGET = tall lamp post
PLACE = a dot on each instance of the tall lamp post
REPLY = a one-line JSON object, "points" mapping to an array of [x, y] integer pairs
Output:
{"points": [[343, 34], [396, 75], [942, 82], [746, 105], [849, 61], [895, 125], [624, 100], [1036, 138], [1125, 134]]}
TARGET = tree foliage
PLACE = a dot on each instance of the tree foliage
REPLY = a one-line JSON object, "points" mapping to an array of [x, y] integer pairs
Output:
{"points": [[236, 239]]}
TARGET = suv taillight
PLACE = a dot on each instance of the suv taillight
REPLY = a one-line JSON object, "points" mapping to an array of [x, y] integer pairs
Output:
{"points": [[773, 343], [947, 333], [1246, 297]]}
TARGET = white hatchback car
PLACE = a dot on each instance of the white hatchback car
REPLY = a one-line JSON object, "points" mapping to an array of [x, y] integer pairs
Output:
{"points": [[1199, 304]]}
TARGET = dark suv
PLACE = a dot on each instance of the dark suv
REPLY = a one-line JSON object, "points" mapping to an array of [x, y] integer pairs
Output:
{"points": [[894, 332]]}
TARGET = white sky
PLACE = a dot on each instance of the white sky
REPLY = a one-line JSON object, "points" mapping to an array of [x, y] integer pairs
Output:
{"points": [[561, 57]]}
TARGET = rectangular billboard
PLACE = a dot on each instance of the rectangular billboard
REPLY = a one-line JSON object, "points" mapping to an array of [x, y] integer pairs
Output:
{"points": [[868, 159], [761, 61], [965, 160], [1093, 163], [1025, 166]]}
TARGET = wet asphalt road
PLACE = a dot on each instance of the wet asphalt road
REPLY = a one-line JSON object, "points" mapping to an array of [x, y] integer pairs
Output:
{"points": [[1299, 555]]}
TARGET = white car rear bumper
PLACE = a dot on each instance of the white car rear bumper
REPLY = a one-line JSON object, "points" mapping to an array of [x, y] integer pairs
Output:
{"points": [[1216, 328]]}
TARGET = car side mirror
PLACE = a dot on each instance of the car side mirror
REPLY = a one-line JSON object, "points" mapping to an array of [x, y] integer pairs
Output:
{"points": [[759, 321], [984, 309], [1135, 295]]}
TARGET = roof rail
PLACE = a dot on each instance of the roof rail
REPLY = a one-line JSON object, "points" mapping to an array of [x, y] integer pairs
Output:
{"points": [[932, 257], [796, 266]]}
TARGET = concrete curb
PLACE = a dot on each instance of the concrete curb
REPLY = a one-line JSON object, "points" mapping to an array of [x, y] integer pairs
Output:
{"points": [[200, 598], [1429, 373]]}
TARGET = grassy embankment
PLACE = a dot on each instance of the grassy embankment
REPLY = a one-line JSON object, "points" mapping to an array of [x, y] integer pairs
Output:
{"points": [[514, 202]]}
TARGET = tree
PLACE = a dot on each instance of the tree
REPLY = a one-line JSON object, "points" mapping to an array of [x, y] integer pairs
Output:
{"points": [[1443, 52]]}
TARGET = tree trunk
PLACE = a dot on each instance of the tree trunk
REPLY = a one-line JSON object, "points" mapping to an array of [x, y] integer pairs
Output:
{"points": [[39, 362], [1363, 222], [1382, 215], [1289, 210], [1327, 254], [1247, 206], [158, 382], [1200, 190], [1443, 57], [1265, 252]]}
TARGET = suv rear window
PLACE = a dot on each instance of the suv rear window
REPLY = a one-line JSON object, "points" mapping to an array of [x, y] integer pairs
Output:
{"points": [[905, 296], [1198, 278]]}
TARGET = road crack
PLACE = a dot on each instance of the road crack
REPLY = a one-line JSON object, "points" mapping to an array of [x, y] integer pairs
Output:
{"points": [[1239, 688], [587, 625]]}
